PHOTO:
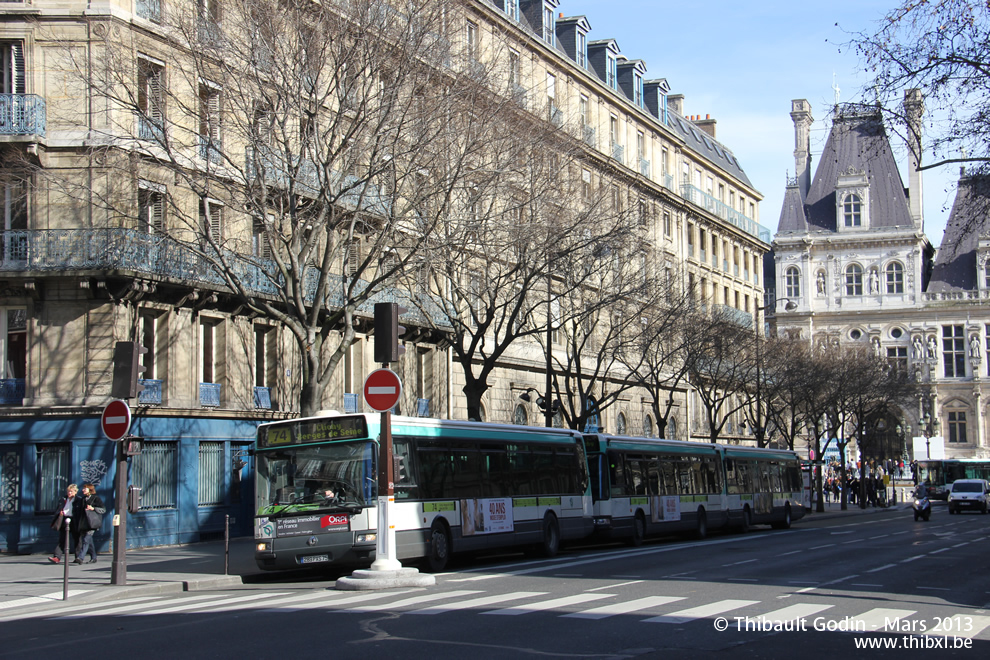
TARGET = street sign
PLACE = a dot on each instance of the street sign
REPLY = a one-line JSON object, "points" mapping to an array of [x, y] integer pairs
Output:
{"points": [[382, 389], [116, 420]]}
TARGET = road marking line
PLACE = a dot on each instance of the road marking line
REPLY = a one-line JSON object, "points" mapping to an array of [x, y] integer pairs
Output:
{"points": [[223, 600], [819, 547], [702, 611], [37, 600], [338, 601], [623, 608], [613, 586], [549, 604], [881, 568], [739, 563], [792, 612], [978, 623]]}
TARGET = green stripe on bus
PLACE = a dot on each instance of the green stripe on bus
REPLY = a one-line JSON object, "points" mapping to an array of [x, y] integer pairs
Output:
{"points": [[437, 507], [639, 500], [549, 501], [524, 501]]}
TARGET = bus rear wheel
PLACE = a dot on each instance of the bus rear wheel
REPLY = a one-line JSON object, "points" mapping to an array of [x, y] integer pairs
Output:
{"points": [[638, 530], [786, 522], [439, 552], [551, 536], [701, 530]]}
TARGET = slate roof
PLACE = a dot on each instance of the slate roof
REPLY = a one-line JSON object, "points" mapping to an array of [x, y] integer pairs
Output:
{"points": [[702, 143], [859, 142], [955, 264], [792, 211]]}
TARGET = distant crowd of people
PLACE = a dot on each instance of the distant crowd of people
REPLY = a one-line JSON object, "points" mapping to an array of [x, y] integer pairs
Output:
{"points": [[864, 481]]}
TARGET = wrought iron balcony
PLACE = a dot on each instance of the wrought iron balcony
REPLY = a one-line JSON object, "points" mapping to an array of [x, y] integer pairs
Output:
{"points": [[711, 204], [12, 391], [263, 398], [589, 136], [161, 257], [209, 395], [22, 114], [149, 129]]}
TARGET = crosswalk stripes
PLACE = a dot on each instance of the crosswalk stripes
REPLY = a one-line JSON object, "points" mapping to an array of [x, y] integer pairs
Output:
{"points": [[702, 611], [650, 609], [414, 600], [40, 600], [549, 604], [626, 607], [478, 603]]}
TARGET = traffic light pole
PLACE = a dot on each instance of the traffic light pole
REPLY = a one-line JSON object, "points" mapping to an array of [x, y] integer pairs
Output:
{"points": [[118, 568]]}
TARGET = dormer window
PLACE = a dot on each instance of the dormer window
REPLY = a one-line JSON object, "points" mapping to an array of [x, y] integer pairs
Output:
{"points": [[582, 50], [852, 211], [512, 9], [548, 27], [638, 90], [611, 77]]}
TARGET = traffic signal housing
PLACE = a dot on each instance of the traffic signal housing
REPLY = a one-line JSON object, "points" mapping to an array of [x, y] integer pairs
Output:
{"points": [[387, 331], [127, 370]]}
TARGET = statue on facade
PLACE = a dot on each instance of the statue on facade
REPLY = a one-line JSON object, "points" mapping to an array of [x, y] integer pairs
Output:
{"points": [[974, 346], [932, 349], [918, 352], [821, 283], [874, 281]]}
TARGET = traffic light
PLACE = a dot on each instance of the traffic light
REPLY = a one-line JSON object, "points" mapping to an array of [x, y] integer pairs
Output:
{"points": [[387, 331], [127, 370], [133, 499]]}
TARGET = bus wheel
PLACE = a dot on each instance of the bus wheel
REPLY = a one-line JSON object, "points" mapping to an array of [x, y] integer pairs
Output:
{"points": [[638, 530], [786, 522], [701, 531], [747, 520], [439, 554], [551, 536]]}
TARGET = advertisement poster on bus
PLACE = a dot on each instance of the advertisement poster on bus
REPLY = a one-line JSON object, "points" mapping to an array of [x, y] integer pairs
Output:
{"points": [[665, 508], [486, 516]]}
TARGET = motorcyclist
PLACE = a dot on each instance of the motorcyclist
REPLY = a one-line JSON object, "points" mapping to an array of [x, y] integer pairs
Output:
{"points": [[920, 491]]}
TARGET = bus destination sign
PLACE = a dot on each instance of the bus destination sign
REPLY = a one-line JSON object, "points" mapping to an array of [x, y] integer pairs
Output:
{"points": [[311, 431]]}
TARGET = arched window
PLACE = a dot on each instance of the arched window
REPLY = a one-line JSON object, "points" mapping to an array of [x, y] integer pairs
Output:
{"points": [[792, 283], [520, 417], [620, 424], [852, 211], [854, 280], [647, 426], [895, 277], [671, 429]]}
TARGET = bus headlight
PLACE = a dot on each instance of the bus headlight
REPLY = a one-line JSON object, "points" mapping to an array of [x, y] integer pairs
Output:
{"points": [[368, 537], [263, 546]]}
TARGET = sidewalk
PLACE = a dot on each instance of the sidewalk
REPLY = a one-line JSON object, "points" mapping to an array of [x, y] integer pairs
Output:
{"points": [[29, 582]]}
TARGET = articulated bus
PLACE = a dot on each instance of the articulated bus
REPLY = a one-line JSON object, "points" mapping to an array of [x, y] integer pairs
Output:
{"points": [[939, 474], [643, 487], [459, 487]]}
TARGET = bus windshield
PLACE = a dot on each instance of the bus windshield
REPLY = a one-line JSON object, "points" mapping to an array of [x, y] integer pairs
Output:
{"points": [[331, 476]]}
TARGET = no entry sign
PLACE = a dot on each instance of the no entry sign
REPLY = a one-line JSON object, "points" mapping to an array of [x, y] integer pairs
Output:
{"points": [[382, 389], [116, 420]]}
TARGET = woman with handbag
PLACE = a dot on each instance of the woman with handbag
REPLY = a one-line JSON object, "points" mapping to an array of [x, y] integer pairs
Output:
{"points": [[67, 508], [90, 521]]}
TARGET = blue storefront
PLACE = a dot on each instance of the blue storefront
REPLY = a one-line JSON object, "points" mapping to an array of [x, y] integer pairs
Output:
{"points": [[195, 475]]}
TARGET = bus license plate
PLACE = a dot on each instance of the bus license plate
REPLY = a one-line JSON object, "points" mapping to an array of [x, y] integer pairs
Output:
{"points": [[313, 559]]}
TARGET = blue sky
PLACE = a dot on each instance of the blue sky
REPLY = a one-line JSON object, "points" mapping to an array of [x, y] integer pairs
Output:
{"points": [[743, 63]]}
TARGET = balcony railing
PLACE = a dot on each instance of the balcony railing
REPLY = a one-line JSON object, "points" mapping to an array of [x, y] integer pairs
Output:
{"points": [[161, 257], [422, 407], [12, 391], [617, 152], [209, 149], [149, 129], [711, 204], [589, 136], [350, 402], [209, 395], [644, 167], [22, 114], [151, 395], [263, 398]]}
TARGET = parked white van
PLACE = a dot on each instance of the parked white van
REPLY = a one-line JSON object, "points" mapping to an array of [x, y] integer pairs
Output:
{"points": [[968, 494]]}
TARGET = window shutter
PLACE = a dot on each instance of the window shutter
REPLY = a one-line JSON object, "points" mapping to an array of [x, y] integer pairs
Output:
{"points": [[17, 68]]}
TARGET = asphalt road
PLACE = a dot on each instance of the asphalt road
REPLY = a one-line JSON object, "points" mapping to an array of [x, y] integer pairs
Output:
{"points": [[822, 589]]}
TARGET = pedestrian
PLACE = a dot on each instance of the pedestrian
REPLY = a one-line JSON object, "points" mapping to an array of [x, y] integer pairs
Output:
{"points": [[67, 508], [89, 522]]}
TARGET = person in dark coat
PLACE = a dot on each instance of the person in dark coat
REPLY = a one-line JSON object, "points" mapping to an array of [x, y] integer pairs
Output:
{"points": [[87, 528], [68, 507]]}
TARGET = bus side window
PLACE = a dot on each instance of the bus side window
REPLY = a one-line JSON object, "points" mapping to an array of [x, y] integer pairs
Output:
{"points": [[617, 474], [656, 486], [495, 467], [405, 481]]}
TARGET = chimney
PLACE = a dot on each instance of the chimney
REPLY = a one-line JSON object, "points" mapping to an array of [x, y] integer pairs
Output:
{"points": [[914, 108], [675, 103], [707, 125], [801, 116]]}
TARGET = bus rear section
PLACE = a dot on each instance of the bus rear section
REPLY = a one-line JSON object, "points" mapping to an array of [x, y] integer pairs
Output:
{"points": [[763, 486], [644, 487]]}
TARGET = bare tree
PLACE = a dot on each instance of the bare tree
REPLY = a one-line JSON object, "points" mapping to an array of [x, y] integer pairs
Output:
{"points": [[941, 48], [716, 352], [301, 154]]}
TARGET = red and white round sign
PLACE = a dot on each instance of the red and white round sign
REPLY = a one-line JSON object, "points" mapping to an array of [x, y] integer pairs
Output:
{"points": [[116, 420], [382, 389]]}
